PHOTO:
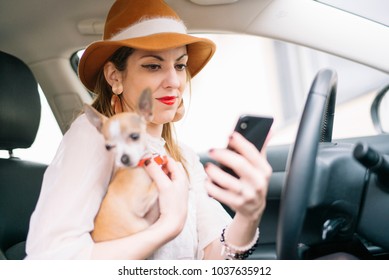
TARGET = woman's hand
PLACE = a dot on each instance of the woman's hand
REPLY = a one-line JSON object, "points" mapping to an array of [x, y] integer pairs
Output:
{"points": [[245, 195], [173, 194]]}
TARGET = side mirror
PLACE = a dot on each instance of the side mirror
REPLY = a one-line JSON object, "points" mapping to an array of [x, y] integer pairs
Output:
{"points": [[379, 110]]}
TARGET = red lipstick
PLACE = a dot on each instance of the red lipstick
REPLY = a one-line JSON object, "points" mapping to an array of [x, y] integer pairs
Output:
{"points": [[167, 100]]}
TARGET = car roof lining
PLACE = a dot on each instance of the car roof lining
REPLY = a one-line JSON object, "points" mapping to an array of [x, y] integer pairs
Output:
{"points": [[375, 10]]}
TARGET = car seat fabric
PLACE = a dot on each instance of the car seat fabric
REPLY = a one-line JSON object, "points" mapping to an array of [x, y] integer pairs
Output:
{"points": [[20, 180]]}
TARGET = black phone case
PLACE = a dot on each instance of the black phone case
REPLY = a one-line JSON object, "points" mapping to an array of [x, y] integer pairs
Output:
{"points": [[253, 128]]}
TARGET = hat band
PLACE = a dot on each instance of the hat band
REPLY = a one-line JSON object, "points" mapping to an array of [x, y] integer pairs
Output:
{"points": [[150, 27]]}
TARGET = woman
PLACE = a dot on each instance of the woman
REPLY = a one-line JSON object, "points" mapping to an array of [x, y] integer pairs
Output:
{"points": [[145, 45]]}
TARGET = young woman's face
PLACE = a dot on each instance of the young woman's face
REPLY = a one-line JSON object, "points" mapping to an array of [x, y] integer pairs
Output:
{"points": [[164, 72]]}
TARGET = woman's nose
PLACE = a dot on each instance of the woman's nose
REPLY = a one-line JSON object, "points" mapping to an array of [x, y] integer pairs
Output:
{"points": [[172, 79]]}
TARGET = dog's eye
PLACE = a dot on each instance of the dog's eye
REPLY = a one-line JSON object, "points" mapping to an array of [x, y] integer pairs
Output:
{"points": [[134, 136], [109, 147]]}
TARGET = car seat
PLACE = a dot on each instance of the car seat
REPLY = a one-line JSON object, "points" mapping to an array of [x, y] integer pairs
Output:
{"points": [[20, 180]]}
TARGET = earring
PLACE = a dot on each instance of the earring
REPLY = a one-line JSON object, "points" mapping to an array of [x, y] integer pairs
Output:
{"points": [[180, 112], [117, 90]]}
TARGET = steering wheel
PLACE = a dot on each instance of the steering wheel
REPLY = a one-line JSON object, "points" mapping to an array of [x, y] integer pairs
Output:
{"points": [[315, 126]]}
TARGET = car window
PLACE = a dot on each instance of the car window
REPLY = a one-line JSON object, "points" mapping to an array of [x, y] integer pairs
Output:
{"points": [[47, 140], [267, 77], [253, 75]]}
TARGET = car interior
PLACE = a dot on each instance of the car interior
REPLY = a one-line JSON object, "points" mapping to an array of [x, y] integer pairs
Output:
{"points": [[20, 179], [326, 195]]}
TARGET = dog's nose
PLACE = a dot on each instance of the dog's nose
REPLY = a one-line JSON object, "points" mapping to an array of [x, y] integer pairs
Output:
{"points": [[125, 159]]}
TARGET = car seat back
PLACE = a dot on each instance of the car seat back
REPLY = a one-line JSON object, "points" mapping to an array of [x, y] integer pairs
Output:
{"points": [[20, 180]]}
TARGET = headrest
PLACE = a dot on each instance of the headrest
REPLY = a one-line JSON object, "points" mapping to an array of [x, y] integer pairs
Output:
{"points": [[20, 107]]}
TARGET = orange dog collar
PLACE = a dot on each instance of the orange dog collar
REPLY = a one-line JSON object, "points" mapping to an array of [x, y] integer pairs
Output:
{"points": [[157, 158]]}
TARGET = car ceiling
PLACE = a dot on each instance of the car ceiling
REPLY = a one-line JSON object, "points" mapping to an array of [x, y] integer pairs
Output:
{"points": [[375, 10], [46, 29], [29, 33], [56, 22]]}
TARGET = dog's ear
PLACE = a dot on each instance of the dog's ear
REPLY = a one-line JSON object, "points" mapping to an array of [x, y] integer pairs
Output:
{"points": [[94, 116], [145, 104]]}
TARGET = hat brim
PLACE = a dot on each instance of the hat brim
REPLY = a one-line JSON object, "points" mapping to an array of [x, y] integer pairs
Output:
{"points": [[200, 51]]}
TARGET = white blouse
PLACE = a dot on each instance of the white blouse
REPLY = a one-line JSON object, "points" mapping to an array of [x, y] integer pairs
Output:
{"points": [[74, 185]]}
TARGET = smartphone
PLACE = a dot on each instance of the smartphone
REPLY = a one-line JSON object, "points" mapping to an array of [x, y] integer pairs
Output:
{"points": [[255, 129]]}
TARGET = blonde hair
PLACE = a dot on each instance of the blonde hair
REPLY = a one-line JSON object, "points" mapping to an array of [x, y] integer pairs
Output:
{"points": [[102, 103]]}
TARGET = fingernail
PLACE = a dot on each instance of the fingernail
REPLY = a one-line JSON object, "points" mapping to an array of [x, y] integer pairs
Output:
{"points": [[147, 162], [231, 137]]}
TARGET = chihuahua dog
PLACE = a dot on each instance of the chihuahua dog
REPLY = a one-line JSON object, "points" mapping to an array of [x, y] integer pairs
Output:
{"points": [[131, 202]]}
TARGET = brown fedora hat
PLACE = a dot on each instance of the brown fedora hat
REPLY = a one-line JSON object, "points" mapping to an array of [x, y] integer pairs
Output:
{"points": [[147, 25]]}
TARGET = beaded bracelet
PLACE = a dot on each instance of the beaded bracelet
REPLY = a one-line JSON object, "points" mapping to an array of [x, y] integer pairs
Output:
{"points": [[238, 252]]}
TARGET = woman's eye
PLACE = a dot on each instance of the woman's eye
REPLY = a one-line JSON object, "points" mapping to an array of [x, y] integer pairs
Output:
{"points": [[152, 67], [181, 67]]}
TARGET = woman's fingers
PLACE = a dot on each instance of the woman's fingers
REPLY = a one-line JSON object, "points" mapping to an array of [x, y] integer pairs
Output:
{"points": [[173, 186], [247, 193], [170, 171], [241, 166], [245, 148], [222, 195], [157, 174], [176, 170], [220, 178], [245, 160], [246, 202]]}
